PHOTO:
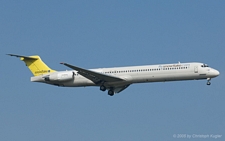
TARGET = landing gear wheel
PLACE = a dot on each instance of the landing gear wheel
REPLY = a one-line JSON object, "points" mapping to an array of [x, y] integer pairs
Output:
{"points": [[111, 92], [208, 83], [102, 88]]}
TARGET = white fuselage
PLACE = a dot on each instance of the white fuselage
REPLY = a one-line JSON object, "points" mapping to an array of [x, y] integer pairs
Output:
{"points": [[134, 74]]}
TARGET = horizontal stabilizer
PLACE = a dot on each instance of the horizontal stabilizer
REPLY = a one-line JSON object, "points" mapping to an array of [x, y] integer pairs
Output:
{"points": [[25, 57]]}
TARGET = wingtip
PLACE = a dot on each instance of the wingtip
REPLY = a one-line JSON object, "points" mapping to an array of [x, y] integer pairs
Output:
{"points": [[62, 63], [13, 55]]}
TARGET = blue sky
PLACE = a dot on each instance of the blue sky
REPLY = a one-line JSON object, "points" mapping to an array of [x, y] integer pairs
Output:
{"points": [[93, 34]]}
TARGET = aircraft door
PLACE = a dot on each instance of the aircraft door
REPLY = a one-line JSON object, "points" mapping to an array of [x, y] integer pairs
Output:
{"points": [[196, 69]]}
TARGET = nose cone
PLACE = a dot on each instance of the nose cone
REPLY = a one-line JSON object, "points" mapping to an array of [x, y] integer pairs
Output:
{"points": [[216, 72]]}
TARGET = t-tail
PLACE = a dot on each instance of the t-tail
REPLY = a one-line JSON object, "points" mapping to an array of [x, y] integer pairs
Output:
{"points": [[35, 64]]}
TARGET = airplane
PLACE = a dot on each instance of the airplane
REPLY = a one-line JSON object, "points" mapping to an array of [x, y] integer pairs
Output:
{"points": [[116, 79]]}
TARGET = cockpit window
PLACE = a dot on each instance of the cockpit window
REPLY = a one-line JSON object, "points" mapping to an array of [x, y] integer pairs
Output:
{"points": [[204, 65]]}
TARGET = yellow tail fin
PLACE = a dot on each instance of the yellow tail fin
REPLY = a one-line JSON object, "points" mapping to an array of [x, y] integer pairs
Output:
{"points": [[35, 64]]}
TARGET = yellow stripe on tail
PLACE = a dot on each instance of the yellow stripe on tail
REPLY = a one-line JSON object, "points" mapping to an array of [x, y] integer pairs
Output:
{"points": [[35, 64]]}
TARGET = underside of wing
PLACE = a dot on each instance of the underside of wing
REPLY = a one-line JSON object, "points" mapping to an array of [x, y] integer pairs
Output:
{"points": [[121, 88]]}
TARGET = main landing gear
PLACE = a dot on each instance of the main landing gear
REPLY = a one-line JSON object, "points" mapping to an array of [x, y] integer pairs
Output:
{"points": [[110, 92], [208, 81], [102, 88]]}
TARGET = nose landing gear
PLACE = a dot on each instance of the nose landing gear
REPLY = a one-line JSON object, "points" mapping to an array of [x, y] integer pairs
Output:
{"points": [[208, 81]]}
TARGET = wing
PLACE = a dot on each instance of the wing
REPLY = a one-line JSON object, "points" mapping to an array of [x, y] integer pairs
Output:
{"points": [[96, 77]]}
